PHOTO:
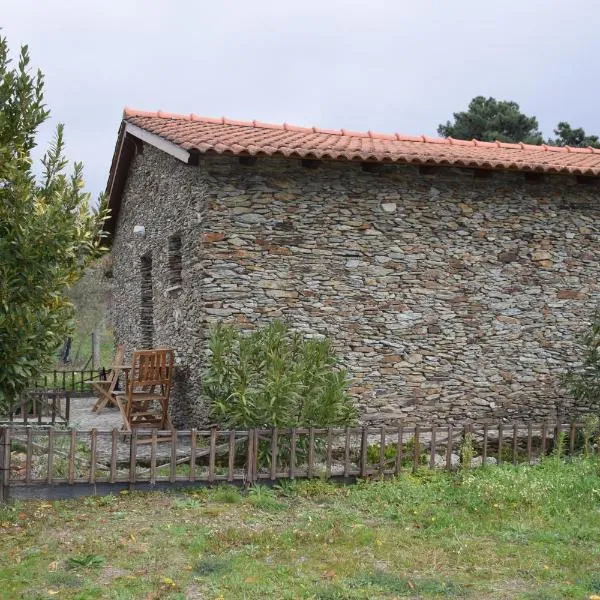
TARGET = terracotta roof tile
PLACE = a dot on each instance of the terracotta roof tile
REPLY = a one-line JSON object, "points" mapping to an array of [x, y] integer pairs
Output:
{"points": [[221, 135]]}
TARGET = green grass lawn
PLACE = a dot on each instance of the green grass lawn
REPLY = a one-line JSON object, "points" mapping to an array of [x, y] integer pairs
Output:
{"points": [[496, 532]]}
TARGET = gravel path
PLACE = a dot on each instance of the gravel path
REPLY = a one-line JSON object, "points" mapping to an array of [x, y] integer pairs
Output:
{"points": [[83, 418]]}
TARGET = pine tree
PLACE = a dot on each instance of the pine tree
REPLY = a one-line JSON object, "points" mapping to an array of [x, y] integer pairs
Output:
{"points": [[488, 119]]}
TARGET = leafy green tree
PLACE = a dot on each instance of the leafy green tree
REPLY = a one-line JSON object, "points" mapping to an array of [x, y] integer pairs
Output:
{"points": [[488, 119], [48, 233], [576, 138]]}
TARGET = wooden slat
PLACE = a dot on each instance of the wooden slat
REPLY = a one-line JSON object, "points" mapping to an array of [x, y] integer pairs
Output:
{"points": [[249, 457], [173, 467], [293, 454], [153, 456], [212, 454], [399, 450], [382, 450], [432, 453], [311, 452], [464, 438], [231, 456], [193, 447], [50, 455], [29, 455], [485, 445], [113, 456], [71, 465], [255, 455], [347, 452], [416, 448], [364, 441], [4, 463], [500, 441], [274, 452], [328, 453], [544, 436], [93, 454], [133, 456]]}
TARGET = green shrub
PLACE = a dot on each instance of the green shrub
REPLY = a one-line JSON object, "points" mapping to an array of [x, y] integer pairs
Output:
{"points": [[374, 453], [273, 377], [391, 450], [583, 382]]}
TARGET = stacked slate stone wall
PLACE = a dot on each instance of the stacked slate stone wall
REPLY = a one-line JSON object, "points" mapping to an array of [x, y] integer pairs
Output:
{"points": [[450, 295]]}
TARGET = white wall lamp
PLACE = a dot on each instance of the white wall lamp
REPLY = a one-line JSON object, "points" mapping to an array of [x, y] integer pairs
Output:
{"points": [[139, 231]]}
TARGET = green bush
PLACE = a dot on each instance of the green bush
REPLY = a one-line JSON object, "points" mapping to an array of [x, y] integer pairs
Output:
{"points": [[583, 382], [391, 450], [274, 377]]}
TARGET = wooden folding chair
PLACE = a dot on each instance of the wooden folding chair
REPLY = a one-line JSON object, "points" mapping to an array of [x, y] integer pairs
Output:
{"points": [[105, 387], [145, 403]]}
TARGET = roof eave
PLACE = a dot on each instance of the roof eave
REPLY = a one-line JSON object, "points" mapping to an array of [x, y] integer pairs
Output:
{"points": [[125, 150]]}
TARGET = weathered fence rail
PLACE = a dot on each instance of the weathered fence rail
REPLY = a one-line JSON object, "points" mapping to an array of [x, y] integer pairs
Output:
{"points": [[48, 400], [52, 462], [73, 381], [41, 406]]}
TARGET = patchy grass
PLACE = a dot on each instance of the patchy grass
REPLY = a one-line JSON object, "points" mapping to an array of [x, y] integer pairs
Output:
{"points": [[501, 532]]}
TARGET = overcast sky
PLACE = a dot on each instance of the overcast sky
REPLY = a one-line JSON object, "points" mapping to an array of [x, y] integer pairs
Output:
{"points": [[388, 66]]}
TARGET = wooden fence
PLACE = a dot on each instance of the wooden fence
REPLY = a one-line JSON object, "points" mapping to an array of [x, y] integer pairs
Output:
{"points": [[41, 406], [73, 381], [56, 463], [48, 401]]}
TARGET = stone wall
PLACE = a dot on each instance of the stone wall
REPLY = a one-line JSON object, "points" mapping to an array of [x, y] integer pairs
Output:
{"points": [[166, 197], [450, 296]]}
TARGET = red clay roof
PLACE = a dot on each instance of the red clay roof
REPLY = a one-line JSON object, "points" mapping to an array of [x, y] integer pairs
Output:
{"points": [[226, 136]]}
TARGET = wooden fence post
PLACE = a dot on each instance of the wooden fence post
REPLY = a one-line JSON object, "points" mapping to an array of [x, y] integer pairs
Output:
{"points": [[250, 457], [364, 441], [4, 463], [416, 449]]}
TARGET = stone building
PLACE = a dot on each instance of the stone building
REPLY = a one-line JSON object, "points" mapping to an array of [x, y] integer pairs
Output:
{"points": [[453, 277]]}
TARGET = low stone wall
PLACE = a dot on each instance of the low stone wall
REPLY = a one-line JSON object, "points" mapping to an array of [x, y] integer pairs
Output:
{"points": [[449, 297]]}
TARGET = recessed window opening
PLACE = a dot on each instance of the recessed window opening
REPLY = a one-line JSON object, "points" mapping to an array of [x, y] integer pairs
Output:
{"points": [[175, 260], [146, 303]]}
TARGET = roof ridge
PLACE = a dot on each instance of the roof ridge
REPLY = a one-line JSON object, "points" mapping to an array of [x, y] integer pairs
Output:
{"points": [[131, 112]]}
